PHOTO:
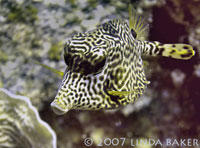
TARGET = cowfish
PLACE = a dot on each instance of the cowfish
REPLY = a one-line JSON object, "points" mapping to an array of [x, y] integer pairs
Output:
{"points": [[104, 67]]}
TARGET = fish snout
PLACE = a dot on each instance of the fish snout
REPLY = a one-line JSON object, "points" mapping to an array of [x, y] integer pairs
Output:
{"points": [[58, 109]]}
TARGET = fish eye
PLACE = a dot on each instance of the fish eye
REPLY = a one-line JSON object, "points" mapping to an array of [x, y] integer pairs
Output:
{"points": [[99, 66], [67, 57], [134, 34], [76, 64], [88, 68]]}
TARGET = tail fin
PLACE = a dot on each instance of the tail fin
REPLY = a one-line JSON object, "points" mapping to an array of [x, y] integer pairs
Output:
{"points": [[177, 51]]}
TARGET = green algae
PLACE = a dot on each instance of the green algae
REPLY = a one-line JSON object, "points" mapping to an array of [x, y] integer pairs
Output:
{"points": [[54, 52], [92, 3], [27, 14], [3, 56], [1, 84]]}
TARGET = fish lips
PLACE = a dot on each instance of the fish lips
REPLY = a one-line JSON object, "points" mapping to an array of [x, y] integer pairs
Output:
{"points": [[57, 109]]}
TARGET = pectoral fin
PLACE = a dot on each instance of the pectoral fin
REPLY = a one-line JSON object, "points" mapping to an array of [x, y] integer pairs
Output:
{"points": [[59, 73]]}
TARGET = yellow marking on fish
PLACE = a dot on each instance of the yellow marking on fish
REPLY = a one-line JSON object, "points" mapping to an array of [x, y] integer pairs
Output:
{"points": [[120, 93]]}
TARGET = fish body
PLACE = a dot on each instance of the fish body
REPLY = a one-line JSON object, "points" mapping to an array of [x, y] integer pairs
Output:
{"points": [[104, 66]]}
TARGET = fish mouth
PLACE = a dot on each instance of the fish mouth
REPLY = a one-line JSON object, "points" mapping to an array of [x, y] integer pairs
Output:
{"points": [[57, 109]]}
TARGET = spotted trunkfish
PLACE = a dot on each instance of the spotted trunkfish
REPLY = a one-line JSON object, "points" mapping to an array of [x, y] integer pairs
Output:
{"points": [[104, 68]]}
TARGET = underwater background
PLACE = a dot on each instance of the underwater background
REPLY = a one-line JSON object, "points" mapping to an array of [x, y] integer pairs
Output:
{"points": [[35, 30]]}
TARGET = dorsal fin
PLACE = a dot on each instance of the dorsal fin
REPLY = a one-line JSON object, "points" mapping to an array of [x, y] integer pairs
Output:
{"points": [[137, 23]]}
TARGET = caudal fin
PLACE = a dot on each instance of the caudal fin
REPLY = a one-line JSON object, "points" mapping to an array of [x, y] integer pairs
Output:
{"points": [[177, 51]]}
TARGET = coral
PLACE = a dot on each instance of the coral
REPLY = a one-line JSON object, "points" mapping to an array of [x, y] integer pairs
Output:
{"points": [[27, 14], [55, 51], [20, 124], [3, 56]]}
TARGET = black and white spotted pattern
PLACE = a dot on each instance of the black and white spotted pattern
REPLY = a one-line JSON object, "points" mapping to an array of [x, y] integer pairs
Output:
{"points": [[105, 59]]}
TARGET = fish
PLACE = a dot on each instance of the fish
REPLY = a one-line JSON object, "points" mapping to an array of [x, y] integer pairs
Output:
{"points": [[104, 66]]}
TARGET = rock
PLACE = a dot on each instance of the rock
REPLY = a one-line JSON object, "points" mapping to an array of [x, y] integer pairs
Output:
{"points": [[177, 77]]}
